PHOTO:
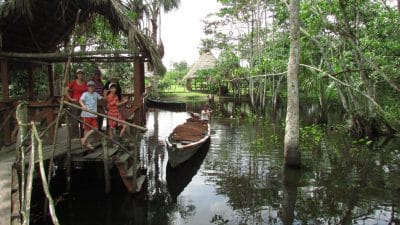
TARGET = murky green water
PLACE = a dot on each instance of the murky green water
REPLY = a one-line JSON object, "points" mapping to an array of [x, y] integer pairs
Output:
{"points": [[239, 179]]}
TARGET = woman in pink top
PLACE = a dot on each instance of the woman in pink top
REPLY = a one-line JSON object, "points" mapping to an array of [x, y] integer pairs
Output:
{"points": [[73, 93]]}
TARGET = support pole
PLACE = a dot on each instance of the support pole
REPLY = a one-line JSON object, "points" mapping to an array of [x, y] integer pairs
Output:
{"points": [[139, 89], [5, 91], [50, 76], [106, 168], [5, 79], [69, 161], [22, 120]]}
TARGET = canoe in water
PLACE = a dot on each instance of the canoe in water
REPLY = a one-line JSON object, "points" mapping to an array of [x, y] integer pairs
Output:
{"points": [[186, 140]]}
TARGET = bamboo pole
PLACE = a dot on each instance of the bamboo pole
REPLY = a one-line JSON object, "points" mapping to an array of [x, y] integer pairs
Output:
{"points": [[29, 182], [108, 117], [22, 120], [100, 133], [64, 55], [64, 83], [106, 169], [69, 161], [43, 176]]}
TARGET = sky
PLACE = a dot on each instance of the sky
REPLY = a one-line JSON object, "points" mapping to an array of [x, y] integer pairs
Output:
{"points": [[182, 29]]}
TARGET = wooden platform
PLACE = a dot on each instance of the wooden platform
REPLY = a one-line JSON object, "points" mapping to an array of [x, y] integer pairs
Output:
{"points": [[5, 192]]}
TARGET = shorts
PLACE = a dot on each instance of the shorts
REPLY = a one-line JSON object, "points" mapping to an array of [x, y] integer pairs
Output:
{"points": [[112, 123], [92, 121]]}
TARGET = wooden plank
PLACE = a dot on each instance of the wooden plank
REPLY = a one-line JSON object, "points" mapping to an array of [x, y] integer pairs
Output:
{"points": [[122, 158], [139, 182], [133, 169], [94, 155], [5, 192], [112, 151]]}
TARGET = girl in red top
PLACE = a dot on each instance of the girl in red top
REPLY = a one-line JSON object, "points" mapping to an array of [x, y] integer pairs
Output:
{"points": [[112, 105]]}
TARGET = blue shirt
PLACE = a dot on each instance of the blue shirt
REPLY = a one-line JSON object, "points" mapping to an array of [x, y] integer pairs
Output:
{"points": [[90, 100]]}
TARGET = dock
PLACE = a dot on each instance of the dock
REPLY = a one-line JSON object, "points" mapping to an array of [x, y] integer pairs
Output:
{"points": [[110, 156]]}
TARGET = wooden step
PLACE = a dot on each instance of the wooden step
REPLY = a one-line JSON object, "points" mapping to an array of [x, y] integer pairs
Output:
{"points": [[139, 182], [112, 151], [94, 155], [131, 171]]}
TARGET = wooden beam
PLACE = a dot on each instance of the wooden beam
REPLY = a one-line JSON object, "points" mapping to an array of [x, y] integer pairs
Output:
{"points": [[50, 77], [51, 55], [4, 79]]}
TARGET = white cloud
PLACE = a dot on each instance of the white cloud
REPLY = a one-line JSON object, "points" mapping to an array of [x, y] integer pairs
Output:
{"points": [[182, 29]]}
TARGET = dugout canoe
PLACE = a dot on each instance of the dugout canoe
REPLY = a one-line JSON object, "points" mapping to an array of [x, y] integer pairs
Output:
{"points": [[180, 151], [167, 105]]}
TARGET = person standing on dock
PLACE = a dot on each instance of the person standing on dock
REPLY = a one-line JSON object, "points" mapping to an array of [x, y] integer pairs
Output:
{"points": [[99, 89], [88, 101], [73, 93], [113, 103]]}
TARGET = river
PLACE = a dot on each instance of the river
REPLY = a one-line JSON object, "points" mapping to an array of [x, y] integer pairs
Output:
{"points": [[240, 179]]}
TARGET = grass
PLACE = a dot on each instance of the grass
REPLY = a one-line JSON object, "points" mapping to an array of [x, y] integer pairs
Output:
{"points": [[179, 93]]}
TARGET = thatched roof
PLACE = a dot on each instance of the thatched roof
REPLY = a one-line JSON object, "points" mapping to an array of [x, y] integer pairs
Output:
{"points": [[206, 61], [39, 26]]}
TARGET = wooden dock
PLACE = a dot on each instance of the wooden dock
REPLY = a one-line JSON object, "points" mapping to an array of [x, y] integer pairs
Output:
{"points": [[131, 173], [5, 192]]}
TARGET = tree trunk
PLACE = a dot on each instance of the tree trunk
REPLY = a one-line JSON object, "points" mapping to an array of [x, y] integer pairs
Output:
{"points": [[398, 5], [292, 130]]}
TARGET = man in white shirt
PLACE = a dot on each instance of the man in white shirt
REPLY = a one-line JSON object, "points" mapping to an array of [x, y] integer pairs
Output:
{"points": [[206, 113]]}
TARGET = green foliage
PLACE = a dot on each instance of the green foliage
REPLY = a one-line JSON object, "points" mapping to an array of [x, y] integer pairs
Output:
{"points": [[174, 76], [311, 134]]}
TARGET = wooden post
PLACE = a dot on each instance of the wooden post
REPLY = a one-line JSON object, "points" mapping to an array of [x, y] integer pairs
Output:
{"points": [[139, 89], [22, 119], [4, 79], [50, 77], [7, 126], [68, 177], [132, 148], [31, 83], [6, 96], [106, 169]]}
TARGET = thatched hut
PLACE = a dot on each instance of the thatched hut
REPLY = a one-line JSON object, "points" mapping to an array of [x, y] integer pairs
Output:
{"points": [[34, 32], [206, 61]]}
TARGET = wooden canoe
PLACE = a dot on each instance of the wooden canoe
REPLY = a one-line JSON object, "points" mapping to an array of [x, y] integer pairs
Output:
{"points": [[180, 151]]}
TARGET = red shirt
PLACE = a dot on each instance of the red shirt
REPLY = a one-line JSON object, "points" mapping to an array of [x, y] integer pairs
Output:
{"points": [[77, 90], [112, 103]]}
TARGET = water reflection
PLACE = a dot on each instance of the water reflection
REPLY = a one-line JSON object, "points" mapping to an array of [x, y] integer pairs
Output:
{"points": [[179, 177], [240, 179]]}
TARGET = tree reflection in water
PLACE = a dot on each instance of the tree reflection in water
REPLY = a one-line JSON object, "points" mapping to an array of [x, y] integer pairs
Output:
{"points": [[241, 181]]}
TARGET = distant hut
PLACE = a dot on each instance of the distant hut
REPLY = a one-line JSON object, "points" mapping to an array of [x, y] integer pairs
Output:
{"points": [[193, 81]]}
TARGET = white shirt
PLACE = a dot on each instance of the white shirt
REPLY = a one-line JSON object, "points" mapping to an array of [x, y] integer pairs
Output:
{"points": [[205, 114]]}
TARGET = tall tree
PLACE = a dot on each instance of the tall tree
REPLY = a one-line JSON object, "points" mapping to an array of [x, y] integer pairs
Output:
{"points": [[292, 130]]}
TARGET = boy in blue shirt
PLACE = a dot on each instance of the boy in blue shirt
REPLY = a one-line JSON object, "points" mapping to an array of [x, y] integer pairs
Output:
{"points": [[88, 101]]}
